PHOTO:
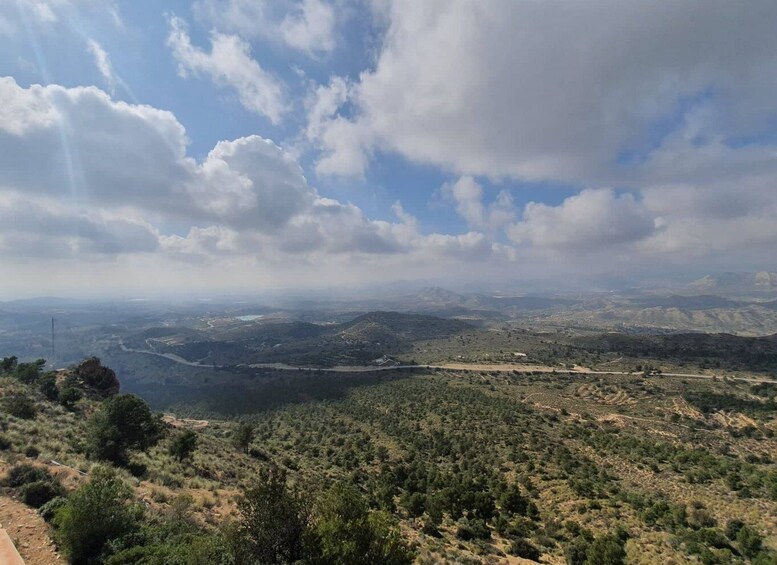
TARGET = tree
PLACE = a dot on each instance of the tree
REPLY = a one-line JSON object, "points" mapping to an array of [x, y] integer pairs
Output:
{"points": [[123, 423], [29, 372], [8, 364], [243, 436], [606, 550], [19, 406], [97, 377], [183, 445], [513, 501], [750, 541], [47, 385], [346, 533], [98, 512], [68, 396], [523, 548], [272, 523]]}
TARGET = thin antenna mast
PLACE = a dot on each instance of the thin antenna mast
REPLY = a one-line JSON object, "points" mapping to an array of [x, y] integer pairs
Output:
{"points": [[53, 350]]}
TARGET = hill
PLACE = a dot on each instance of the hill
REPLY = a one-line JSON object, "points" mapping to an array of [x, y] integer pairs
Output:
{"points": [[762, 281], [357, 342], [465, 466]]}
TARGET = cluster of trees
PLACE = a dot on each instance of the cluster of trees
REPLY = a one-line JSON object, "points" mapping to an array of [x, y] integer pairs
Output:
{"points": [[89, 378], [749, 478], [397, 448], [102, 523]]}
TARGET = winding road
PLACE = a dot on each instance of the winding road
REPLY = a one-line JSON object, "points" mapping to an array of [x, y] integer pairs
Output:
{"points": [[445, 366]]}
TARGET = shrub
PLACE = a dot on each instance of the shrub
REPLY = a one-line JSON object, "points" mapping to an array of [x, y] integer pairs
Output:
{"points": [[272, 523], [183, 550], [513, 502], [183, 444], [49, 509], [8, 364], [20, 406], [97, 377], [575, 551], [38, 493], [124, 422], [242, 436], [47, 384], [69, 395], [472, 529], [97, 513], [345, 532], [31, 451], [749, 541], [606, 550], [732, 528], [522, 548], [29, 372], [24, 473]]}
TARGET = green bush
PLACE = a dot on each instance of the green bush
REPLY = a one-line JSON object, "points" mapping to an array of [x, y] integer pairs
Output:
{"points": [[183, 444], [749, 541], [24, 473], [49, 509], [38, 493], [185, 550], [523, 548], [101, 511], [124, 422], [346, 533], [606, 550], [472, 529], [47, 384], [29, 373], [242, 436], [69, 395], [273, 522], [19, 406]]}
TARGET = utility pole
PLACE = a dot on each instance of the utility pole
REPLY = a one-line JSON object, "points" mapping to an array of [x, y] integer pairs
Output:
{"points": [[53, 350]]}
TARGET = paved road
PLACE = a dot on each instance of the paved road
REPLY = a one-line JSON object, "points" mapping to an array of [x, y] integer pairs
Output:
{"points": [[447, 367]]}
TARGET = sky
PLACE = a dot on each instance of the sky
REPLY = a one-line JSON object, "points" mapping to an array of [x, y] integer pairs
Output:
{"points": [[239, 145]]}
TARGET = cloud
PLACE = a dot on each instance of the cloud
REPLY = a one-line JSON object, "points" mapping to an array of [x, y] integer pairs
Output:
{"points": [[551, 90], [306, 25], [229, 64], [103, 63], [592, 220], [85, 178], [16, 15], [467, 196], [310, 27], [44, 228]]}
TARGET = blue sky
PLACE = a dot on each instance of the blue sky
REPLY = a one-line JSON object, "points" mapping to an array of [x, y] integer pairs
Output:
{"points": [[341, 140]]}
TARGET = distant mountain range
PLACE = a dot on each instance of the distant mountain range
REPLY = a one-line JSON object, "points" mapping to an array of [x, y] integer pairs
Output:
{"points": [[762, 281]]}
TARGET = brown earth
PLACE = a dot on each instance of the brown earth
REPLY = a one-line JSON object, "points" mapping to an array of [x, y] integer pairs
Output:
{"points": [[29, 532]]}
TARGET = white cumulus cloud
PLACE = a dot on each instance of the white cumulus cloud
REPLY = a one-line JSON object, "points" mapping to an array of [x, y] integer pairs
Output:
{"points": [[230, 64]]}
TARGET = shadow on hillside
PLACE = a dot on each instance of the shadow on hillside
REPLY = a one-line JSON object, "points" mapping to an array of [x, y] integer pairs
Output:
{"points": [[273, 390]]}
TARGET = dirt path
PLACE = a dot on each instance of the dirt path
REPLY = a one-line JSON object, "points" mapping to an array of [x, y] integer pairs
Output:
{"points": [[29, 532]]}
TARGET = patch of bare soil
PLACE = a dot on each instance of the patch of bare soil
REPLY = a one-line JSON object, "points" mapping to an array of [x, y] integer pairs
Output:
{"points": [[733, 420], [184, 422], [29, 532]]}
